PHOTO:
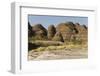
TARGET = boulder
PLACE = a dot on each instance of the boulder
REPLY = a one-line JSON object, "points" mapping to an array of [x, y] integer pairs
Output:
{"points": [[58, 37], [40, 32], [30, 32], [67, 30], [51, 31], [82, 32]]}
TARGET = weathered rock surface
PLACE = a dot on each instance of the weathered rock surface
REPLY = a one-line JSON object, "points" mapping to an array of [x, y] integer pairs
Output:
{"points": [[40, 32], [67, 30], [51, 31], [30, 32], [58, 37], [64, 32], [82, 32]]}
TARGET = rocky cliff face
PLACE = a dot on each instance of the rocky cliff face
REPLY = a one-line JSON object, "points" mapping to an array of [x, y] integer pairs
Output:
{"points": [[64, 32]]}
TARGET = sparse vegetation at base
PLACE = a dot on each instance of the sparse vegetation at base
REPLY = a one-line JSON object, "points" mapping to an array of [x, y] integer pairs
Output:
{"points": [[60, 47]]}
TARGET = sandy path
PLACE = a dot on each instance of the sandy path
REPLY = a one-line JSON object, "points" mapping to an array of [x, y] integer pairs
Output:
{"points": [[58, 54]]}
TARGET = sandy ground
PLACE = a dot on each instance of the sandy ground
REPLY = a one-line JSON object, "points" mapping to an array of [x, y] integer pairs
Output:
{"points": [[58, 54]]}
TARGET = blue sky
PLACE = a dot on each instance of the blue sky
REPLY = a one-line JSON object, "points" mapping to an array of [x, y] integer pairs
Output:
{"points": [[48, 20]]}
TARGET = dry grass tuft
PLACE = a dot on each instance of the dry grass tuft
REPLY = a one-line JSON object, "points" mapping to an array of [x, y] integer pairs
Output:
{"points": [[61, 47]]}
